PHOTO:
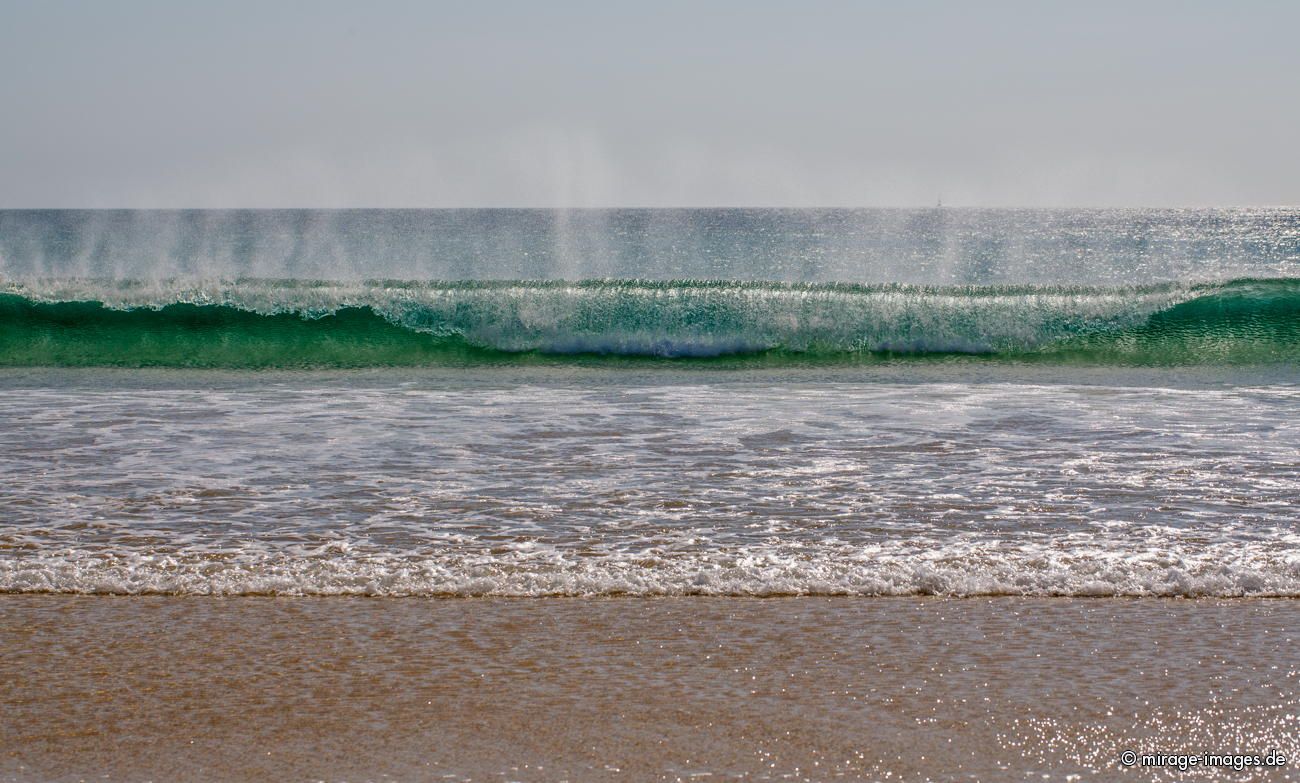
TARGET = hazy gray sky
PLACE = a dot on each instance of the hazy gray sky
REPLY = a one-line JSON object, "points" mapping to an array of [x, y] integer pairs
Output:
{"points": [[263, 104]]}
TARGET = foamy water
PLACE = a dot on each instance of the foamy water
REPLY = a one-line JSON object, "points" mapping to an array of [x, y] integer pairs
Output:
{"points": [[497, 482]]}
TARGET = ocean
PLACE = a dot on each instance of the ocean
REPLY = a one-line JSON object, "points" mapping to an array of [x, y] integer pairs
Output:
{"points": [[916, 432]]}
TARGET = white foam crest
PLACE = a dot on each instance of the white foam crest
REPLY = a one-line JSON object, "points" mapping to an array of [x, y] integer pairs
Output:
{"points": [[1216, 571]]}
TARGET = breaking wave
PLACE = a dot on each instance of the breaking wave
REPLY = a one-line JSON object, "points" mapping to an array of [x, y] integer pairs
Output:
{"points": [[285, 323]]}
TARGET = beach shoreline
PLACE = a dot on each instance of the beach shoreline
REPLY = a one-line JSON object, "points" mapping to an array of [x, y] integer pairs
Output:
{"points": [[192, 688]]}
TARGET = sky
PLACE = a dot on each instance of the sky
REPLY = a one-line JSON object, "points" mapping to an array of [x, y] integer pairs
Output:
{"points": [[656, 104]]}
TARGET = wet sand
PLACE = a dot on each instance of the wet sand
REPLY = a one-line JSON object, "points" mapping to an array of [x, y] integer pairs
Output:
{"points": [[159, 688]]}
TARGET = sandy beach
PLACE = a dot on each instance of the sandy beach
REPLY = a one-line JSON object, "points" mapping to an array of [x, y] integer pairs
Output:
{"points": [[192, 688]]}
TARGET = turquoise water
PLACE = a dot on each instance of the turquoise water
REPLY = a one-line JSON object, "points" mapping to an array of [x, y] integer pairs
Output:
{"points": [[279, 324]]}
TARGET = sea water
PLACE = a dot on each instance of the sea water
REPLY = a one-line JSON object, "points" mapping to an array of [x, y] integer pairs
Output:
{"points": [[651, 402]]}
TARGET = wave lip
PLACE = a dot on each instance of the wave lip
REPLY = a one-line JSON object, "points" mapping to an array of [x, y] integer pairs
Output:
{"points": [[285, 323]]}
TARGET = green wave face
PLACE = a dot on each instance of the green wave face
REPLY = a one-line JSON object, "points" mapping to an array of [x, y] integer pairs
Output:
{"points": [[289, 324], [1244, 322], [87, 334]]}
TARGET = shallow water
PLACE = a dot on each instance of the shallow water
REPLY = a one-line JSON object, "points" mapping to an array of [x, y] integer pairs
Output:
{"points": [[584, 482]]}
